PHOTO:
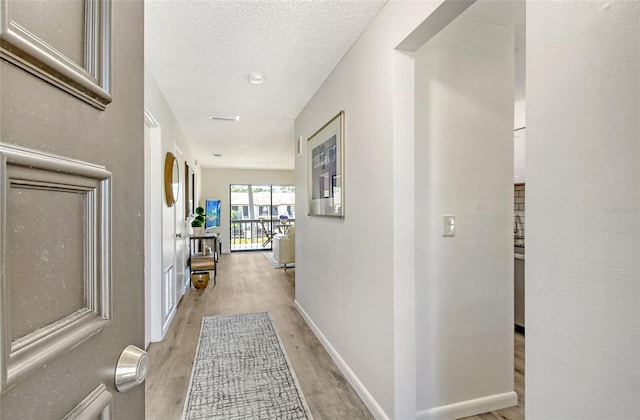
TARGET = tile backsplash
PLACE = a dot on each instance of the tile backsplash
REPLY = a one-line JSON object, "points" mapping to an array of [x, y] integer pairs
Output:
{"points": [[518, 214]]}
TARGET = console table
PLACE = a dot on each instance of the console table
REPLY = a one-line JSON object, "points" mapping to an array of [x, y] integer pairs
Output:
{"points": [[199, 261]]}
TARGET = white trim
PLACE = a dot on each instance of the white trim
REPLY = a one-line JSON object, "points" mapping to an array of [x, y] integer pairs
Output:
{"points": [[149, 120], [404, 236], [437, 20], [168, 321], [153, 229], [351, 377], [470, 407], [168, 294], [186, 284], [147, 234]]}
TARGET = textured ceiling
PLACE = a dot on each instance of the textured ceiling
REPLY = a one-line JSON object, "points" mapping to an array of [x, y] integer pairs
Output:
{"points": [[201, 52]]}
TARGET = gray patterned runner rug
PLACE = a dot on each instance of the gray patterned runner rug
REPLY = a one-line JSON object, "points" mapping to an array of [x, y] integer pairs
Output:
{"points": [[241, 371]]}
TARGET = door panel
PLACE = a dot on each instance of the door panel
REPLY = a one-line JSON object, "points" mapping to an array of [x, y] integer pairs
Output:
{"points": [[59, 278], [72, 234], [67, 267], [169, 255]]}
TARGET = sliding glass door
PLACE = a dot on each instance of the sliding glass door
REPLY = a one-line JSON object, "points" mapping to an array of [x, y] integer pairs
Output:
{"points": [[258, 212]]}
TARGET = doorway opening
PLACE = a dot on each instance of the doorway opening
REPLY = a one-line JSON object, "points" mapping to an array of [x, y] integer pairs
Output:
{"points": [[154, 280], [446, 81], [257, 212]]}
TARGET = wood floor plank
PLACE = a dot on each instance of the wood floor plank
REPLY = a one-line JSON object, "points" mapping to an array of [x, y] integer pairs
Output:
{"points": [[247, 283]]}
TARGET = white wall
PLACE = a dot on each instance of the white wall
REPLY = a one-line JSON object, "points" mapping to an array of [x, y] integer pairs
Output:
{"points": [[215, 186], [520, 113], [404, 234], [153, 234], [345, 268], [171, 136], [583, 210], [464, 167]]}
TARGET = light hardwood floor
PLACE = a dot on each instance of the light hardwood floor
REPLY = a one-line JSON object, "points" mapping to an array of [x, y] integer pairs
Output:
{"points": [[248, 283]]}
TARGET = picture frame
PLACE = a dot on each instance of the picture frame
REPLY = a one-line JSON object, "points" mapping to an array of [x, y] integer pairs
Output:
{"points": [[212, 214], [325, 161], [171, 179]]}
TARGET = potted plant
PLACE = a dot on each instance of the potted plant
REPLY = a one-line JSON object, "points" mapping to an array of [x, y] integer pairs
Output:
{"points": [[198, 222]]}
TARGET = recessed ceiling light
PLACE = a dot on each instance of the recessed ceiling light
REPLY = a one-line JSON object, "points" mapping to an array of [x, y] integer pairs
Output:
{"points": [[256, 78], [224, 117]]}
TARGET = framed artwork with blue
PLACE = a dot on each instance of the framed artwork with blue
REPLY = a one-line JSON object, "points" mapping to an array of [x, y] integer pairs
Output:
{"points": [[212, 214]]}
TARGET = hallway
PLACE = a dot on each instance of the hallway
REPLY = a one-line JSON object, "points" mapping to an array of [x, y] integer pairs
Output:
{"points": [[247, 283]]}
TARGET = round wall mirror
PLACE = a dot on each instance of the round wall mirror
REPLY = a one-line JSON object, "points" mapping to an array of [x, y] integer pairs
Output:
{"points": [[171, 179]]}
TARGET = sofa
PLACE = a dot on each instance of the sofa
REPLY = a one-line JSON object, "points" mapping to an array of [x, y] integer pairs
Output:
{"points": [[284, 247]]}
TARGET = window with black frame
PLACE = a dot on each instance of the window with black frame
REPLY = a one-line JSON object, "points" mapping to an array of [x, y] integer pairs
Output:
{"points": [[258, 211]]}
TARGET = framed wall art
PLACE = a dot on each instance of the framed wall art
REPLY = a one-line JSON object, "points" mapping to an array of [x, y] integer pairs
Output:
{"points": [[326, 169]]}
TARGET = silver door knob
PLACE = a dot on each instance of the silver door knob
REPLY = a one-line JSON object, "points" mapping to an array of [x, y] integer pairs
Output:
{"points": [[132, 368], [178, 235]]}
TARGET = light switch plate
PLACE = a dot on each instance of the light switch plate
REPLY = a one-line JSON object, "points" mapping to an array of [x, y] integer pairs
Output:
{"points": [[449, 226]]}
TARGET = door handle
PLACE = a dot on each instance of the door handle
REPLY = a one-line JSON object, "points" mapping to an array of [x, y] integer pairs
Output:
{"points": [[178, 235], [132, 368]]}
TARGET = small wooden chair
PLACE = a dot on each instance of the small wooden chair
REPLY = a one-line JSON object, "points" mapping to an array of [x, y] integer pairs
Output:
{"points": [[268, 233]]}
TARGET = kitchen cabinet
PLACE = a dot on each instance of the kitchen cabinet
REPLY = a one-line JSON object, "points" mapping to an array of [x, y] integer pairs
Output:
{"points": [[518, 156]]}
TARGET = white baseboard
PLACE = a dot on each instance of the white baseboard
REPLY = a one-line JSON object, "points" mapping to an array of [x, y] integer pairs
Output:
{"points": [[470, 407], [168, 321], [351, 377]]}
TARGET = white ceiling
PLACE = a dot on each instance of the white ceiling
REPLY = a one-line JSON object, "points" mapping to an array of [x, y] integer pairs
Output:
{"points": [[201, 52]]}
